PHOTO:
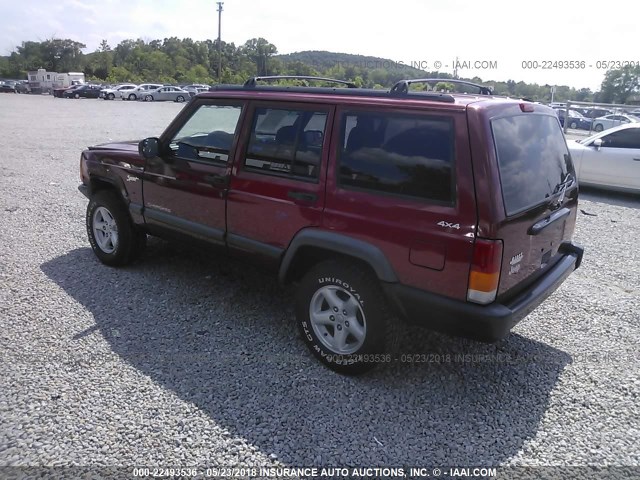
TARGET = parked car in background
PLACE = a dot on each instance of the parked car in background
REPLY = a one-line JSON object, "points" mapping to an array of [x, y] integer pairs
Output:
{"points": [[196, 89], [597, 112], [576, 119], [8, 86], [610, 121], [609, 159], [22, 86], [59, 92], [140, 90], [116, 91], [164, 94], [375, 204], [83, 91]]}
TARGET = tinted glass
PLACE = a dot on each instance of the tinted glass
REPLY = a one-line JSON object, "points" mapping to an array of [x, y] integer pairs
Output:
{"points": [[208, 134], [532, 157], [623, 139], [407, 155], [287, 142]]}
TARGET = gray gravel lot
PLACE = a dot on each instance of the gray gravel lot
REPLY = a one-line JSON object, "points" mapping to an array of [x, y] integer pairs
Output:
{"points": [[188, 358]]}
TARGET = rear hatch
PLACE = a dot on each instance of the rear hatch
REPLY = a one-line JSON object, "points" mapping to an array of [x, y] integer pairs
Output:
{"points": [[539, 193]]}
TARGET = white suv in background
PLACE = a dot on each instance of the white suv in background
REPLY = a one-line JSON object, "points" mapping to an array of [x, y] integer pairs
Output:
{"points": [[116, 92], [139, 91]]}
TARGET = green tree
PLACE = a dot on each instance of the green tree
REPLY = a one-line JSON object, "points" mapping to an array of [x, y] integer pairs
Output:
{"points": [[619, 85], [259, 51]]}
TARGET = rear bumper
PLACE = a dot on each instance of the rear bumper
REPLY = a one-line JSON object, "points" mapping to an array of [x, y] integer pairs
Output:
{"points": [[487, 323]]}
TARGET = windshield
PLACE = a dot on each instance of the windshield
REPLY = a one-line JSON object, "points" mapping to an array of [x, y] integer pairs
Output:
{"points": [[533, 159]]}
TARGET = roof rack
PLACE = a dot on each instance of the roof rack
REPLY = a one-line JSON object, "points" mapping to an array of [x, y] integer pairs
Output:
{"points": [[253, 80], [402, 86], [352, 92]]}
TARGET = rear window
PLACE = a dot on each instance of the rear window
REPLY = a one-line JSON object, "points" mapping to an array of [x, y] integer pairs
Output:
{"points": [[532, 157]]}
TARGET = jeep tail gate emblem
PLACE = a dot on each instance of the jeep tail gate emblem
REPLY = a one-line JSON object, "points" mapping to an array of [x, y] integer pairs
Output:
{"points": [[515, 263]]}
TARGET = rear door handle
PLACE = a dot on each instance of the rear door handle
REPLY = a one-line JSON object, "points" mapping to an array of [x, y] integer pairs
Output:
{"points": [[304, 196], [636, 159]]}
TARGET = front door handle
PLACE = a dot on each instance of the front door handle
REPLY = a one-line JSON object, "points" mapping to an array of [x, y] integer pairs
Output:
{"points": [[304, 196], [636, 159], [217, 180]]}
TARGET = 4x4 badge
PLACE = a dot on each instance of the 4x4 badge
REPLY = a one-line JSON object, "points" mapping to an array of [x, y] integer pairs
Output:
{"points": [[444, 224]]}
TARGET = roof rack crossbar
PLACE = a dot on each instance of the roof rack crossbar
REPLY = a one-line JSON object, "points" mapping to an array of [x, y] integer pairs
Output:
{"points": [[253, 80], [402, 86]]}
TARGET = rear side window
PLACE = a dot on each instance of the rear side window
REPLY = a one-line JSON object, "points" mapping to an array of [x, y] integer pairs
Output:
{"points": [[287, 142], [408, 155], [533, 159]]}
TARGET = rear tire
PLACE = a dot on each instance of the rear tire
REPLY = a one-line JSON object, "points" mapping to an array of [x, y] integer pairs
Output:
{"points": [[179, 99], [573, 125], [112, 235], [343, 317]]}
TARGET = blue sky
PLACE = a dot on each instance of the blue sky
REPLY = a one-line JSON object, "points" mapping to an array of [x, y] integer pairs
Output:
{"points": [[427, 32]]}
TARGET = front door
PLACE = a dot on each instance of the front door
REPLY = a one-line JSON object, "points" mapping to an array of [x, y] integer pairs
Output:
{"points": [[185, 186]]}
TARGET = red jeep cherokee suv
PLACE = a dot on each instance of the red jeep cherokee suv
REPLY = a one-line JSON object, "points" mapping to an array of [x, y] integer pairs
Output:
{"points": [[453, 211]]}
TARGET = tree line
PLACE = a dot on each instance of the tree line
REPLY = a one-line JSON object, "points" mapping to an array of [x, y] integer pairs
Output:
{"points": [[182, 61]]}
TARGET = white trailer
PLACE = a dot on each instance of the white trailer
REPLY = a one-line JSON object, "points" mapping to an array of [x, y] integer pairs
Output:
{"points": [[41, 81]]}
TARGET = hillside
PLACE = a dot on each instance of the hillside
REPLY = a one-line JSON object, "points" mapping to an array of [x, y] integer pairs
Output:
{"points": [[323, 60]]}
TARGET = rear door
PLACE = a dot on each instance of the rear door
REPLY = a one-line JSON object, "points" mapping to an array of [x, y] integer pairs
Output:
{"points": [[539, 193], [401, 180], [277, 186]]}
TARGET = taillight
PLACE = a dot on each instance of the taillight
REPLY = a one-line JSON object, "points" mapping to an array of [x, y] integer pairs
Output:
{"points": [[484, 275]]}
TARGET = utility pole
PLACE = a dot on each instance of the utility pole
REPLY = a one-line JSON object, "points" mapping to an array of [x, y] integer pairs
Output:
{"points": [[219, 40]]}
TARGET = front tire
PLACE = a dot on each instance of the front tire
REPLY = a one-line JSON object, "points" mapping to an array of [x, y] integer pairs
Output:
{"points": [[342, 315], [131, 97], [148, 98], [598, 127], [179, 99], [111, 96], [112, 235]]}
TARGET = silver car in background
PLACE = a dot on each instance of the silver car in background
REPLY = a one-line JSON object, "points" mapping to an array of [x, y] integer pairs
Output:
{"points": [[140, 91], [614, 120], [609, 159], [116, 92], [166, 93]]}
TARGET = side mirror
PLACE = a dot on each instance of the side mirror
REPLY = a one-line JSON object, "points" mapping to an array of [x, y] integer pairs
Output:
{"points": [[149, 147], [597, 143]]}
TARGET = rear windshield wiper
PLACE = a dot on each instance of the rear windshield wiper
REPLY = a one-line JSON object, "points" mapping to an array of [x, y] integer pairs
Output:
{"points": [[561, 188]]}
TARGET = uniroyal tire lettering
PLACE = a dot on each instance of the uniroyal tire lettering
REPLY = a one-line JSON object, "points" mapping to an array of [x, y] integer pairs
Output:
{"points": [[345, 285]]}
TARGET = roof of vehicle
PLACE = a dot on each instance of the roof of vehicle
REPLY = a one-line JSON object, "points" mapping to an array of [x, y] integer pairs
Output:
{"points": [[400, 92]]}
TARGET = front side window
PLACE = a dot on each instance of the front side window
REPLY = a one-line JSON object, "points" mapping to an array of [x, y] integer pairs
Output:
{"points": [[409, 155], [208, 134], [623, 139], [286, 141]]}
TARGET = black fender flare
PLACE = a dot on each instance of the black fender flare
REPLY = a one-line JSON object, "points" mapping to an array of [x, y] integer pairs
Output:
{"points": [[339, 243]]}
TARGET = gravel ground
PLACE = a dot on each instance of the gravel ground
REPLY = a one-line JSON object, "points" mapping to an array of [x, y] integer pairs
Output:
{"points": [[194, 359]]}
